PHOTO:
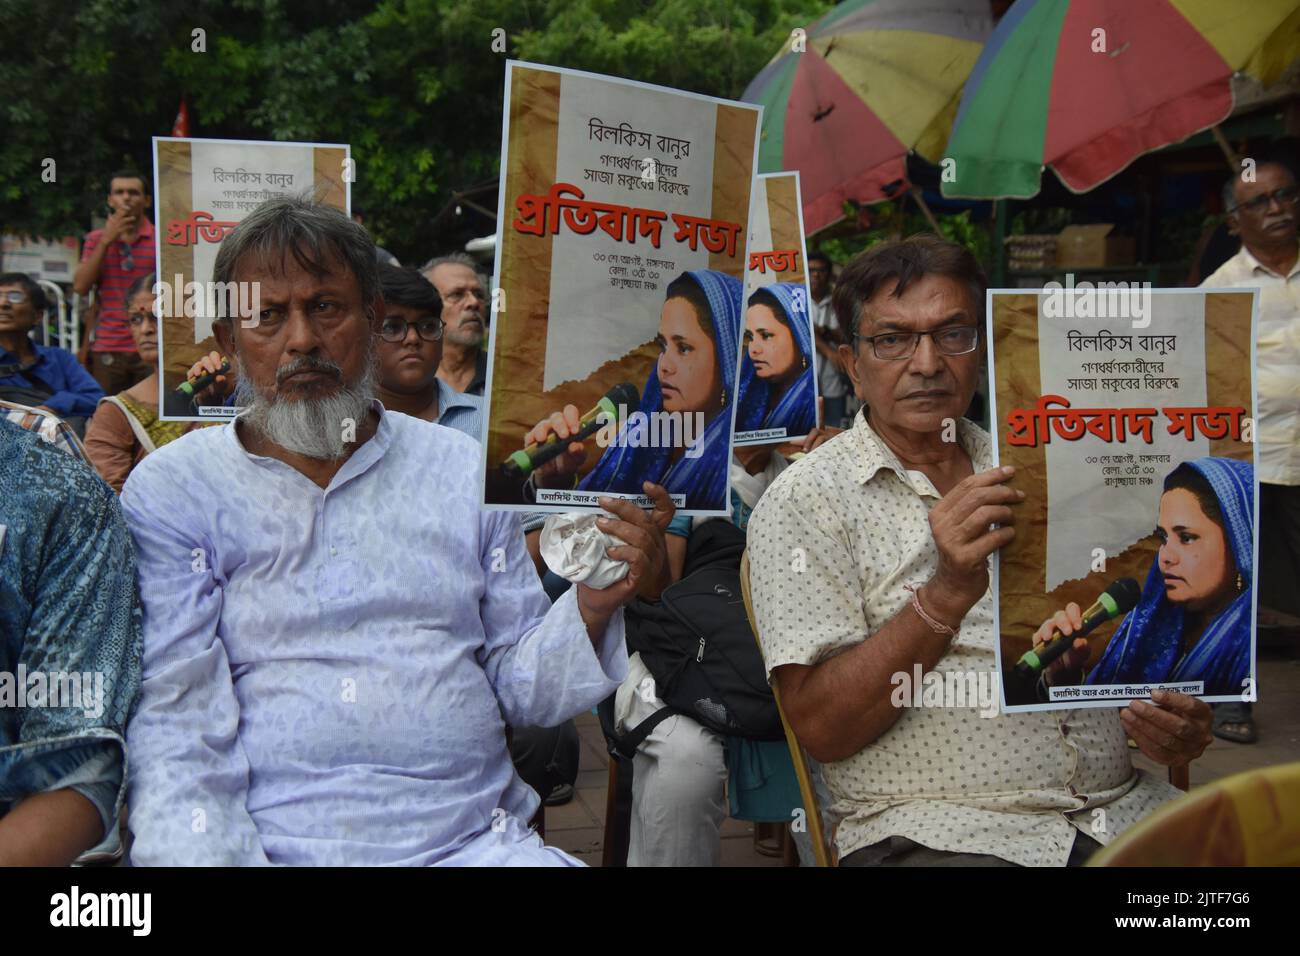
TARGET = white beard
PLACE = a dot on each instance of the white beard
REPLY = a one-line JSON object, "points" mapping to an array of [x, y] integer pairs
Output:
{"points": [[314, 427]]}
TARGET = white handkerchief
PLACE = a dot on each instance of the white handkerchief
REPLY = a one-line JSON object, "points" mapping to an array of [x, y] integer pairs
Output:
{"points": [[575, 549]]}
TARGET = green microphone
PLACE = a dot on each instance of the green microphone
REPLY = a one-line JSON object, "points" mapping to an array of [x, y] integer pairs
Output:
{"points": [[1120, 598], [524, 462], [190, 389]]}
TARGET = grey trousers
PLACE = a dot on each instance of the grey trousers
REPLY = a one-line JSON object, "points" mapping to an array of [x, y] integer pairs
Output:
{"points": [[679, 784], [679, 781], [900, 851]]}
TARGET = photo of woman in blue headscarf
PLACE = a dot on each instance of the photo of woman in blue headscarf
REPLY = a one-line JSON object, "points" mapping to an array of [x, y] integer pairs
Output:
{"points": [[776, 372], [699, 334], [1193, 621]]}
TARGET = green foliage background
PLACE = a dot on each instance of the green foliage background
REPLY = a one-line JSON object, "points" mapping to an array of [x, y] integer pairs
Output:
{"points": [[413, 85]]}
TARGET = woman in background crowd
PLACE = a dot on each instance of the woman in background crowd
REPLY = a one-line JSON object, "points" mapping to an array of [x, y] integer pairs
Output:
{"points": [[126, 426]]}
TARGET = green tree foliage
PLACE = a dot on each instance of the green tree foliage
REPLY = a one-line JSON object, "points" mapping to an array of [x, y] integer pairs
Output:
{"points": [[891, 220], [413, 85]]}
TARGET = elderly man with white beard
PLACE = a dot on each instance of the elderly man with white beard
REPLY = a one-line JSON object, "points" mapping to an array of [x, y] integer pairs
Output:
{"points": [[335, 634]]}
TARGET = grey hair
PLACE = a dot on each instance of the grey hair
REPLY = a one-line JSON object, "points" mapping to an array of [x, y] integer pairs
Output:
{"points": [[904, 262], [1230, 203], [312, 231], [451, 259]]}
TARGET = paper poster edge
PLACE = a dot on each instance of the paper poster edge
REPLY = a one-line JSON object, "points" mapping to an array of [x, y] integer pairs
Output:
{"points": [[655, 87]]}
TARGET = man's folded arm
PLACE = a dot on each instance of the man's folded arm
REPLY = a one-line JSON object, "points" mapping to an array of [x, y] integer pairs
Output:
{"points": [[189, 774], [539, 658], [808, 604]]}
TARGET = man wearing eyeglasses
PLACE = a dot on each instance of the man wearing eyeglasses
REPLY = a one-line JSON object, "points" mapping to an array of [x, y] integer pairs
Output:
{"points": [[465, 315], [409, 351], [112, 258], [1263, 214], [869, 559], [39, 376]]}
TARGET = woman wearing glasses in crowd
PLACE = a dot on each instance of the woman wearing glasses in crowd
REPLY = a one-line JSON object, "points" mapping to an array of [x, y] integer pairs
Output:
{"points": [[126, 426]]}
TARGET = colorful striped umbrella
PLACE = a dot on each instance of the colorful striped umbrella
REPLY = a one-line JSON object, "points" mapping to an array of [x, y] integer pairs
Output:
{"points": [[874, 79], [1088, 86]]}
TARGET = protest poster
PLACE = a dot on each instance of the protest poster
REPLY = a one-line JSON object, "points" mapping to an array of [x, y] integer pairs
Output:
{"points": [[1128, 414], [777, 397], [624, 214], [203, 188]]}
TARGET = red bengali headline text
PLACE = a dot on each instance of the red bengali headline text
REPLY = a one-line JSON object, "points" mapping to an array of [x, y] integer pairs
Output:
{"points": [[566, 204], [1031, 426]]}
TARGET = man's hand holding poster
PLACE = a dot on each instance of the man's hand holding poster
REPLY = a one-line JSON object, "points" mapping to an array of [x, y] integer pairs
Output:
{"points": [[1128, 414], [624, 214], [204, 188], [778, 389]]}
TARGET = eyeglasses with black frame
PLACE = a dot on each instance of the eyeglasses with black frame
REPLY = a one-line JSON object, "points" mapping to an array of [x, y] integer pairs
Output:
{"points": [[895, 346], [395, 329], [1286, 196], [14, 297]]}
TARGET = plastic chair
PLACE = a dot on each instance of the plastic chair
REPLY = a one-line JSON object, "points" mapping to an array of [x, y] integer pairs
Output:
{"points": [[1248, 819], [823, 852]]}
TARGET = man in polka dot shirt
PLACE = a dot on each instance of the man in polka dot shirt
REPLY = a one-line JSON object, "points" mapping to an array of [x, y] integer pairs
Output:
{"points": [[869, 558]]}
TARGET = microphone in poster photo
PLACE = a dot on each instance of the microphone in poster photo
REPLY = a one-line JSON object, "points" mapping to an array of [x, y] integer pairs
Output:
{"points": [[609, 409], [1120, 598], [191, 387]]}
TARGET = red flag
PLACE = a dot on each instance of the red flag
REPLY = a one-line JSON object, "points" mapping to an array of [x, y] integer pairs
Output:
{"points": [[182, 125]]}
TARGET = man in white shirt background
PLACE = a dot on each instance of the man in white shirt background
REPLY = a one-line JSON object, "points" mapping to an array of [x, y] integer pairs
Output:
{"points": [[1262, 211]]}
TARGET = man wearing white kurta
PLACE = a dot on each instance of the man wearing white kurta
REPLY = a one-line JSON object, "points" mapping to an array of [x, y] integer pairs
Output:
{"points": [[335, 634]]}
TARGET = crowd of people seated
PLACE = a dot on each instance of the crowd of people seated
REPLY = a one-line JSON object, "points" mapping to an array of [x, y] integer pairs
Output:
{"points": [[317, 648]]}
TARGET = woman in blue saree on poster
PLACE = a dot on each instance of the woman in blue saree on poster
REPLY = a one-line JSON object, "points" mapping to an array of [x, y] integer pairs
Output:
{"points": [[699, 333], [1193, 621], [776, 376]]}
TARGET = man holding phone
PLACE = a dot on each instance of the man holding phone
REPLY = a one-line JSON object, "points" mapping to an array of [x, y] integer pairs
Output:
{"points": [[113, 258]]}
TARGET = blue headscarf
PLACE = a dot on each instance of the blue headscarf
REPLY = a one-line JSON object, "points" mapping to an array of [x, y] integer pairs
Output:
{"points": [[1145, 648], [797, 409], [703, 479]]}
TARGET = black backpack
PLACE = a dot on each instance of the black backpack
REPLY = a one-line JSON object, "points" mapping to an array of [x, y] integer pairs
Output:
{"points": [[697, 643]]}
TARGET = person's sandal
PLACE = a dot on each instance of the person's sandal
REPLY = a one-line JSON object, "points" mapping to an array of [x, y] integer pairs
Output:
{"points": [[1234, 722]]}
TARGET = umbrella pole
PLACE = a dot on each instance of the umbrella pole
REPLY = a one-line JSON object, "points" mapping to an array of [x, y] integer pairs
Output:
{"points": [[1234, 164], [925, 210]]}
